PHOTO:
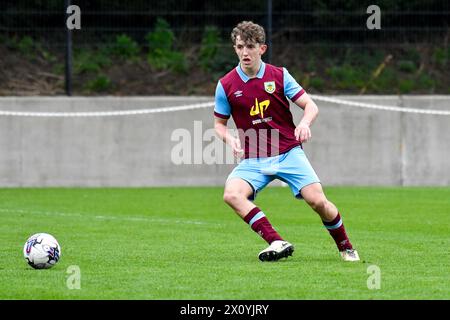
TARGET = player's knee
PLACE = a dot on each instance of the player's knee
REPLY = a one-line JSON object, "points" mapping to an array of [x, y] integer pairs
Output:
{"points": [[232, 197], [318, 204]]}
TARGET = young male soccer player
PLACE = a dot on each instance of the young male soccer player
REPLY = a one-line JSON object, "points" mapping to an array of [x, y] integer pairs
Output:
{"points": [[255, 95]]}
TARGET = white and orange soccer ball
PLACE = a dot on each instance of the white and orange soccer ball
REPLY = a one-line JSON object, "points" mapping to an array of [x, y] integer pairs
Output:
{"points": [[42, 251]]}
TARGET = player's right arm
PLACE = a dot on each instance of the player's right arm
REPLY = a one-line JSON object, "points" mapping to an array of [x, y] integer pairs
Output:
{"points": [[220, 126], [222, 112]]}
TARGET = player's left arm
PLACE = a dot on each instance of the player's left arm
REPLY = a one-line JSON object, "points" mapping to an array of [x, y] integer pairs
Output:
{"points": [[297, 94], [303, 131]]}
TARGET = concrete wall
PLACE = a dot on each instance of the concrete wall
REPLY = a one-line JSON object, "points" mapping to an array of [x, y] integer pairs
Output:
{"points": [[350, 146]]}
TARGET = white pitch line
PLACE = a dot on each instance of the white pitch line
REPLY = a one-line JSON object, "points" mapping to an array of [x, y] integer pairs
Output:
{"points": [[103, 217]]}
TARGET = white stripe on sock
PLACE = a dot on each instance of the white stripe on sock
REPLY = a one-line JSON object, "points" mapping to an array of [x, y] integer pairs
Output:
{"points": [[257, 216]]}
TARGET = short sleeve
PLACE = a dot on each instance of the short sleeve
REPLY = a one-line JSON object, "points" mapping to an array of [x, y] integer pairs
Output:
{"points": [[292, 89], [222, 107]]}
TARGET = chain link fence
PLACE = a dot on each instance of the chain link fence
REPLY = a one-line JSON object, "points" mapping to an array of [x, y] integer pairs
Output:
{"points": [[302, 34], [296, 22]]}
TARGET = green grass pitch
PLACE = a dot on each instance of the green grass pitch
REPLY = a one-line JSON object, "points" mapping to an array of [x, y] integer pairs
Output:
{"points": [[185, 243]]}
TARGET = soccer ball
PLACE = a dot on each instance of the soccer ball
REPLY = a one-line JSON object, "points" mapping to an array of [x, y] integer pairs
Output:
{"points": [[42, 251]]}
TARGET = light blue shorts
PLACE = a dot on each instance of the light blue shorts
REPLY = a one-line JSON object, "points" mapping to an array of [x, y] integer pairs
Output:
{"points": [[291, 167]]}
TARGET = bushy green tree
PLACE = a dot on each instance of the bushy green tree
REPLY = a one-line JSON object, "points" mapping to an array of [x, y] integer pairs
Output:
{"points": [[209, 47], [161, 49], [125, 47]]}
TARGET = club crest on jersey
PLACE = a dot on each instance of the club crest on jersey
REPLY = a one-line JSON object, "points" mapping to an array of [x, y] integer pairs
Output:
{"points": [[269, 86]]}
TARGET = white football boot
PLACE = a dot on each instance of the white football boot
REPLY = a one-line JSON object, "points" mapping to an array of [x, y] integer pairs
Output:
{"points": [[278, 249], [349, 255]]}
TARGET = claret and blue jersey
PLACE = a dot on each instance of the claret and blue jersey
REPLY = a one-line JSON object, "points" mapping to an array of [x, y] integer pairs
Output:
{"points": [[260, 106]]}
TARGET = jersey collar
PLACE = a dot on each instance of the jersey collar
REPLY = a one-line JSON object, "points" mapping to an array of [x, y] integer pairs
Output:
{"points": [[245, 78]]}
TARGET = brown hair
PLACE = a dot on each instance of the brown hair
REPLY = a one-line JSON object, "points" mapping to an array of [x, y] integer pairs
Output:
{"points": [[249, 32]]}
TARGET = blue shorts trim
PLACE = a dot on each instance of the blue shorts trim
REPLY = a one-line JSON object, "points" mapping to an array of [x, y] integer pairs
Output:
{"points": [[291, 167]]}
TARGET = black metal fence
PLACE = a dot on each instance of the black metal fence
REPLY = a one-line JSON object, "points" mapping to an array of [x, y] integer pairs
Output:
{"points": [[327, 26], [296, 22]]}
